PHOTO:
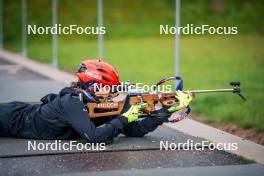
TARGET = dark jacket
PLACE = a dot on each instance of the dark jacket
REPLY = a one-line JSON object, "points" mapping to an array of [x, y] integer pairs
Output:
{"points": [[64, 116]]}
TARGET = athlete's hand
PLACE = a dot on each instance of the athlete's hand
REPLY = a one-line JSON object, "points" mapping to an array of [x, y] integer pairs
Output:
{"points": [[184, 99], [133, 112], [165, 116]]}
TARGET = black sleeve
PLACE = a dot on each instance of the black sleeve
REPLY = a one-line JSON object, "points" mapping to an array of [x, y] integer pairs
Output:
{"points": [[75, 113], [141, 127], [48, 98]]}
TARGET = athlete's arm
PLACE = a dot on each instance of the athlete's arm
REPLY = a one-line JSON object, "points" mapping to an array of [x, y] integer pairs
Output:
{"points": [[75, 113]]}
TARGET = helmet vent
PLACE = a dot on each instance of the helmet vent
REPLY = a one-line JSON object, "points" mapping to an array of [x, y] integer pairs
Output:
{"points": [[81, 68], [105, 79], [101, 70]]}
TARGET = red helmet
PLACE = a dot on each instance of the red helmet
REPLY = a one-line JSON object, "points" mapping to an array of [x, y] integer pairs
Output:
{"points": [[97, 71]]}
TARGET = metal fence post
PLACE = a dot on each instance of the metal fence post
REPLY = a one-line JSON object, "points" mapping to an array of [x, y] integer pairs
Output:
{"points": [[1, 25], [24, 27], [177, 37], [54, 36], [100, 24]]}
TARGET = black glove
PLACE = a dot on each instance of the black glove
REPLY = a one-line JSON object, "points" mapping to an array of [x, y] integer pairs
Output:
{"points": [[162, 114], [165, 116]]}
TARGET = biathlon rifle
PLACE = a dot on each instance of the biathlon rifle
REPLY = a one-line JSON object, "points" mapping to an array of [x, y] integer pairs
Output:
{"points": [[112, 104]]}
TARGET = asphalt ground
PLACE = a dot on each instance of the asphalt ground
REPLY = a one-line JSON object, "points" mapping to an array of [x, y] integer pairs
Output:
{"points": [[124, 155], [243, 170], [20, 84], [10, 147], [118, 160]]}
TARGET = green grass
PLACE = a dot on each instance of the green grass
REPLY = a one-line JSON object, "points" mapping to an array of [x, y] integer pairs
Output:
{"points": [[206, 62]]}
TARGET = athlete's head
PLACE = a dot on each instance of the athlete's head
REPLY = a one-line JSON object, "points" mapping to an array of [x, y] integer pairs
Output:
{"points": [[96, 71]]}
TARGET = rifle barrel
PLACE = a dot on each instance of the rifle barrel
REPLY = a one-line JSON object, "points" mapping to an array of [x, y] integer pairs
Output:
{"points": [[215, 90]]}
